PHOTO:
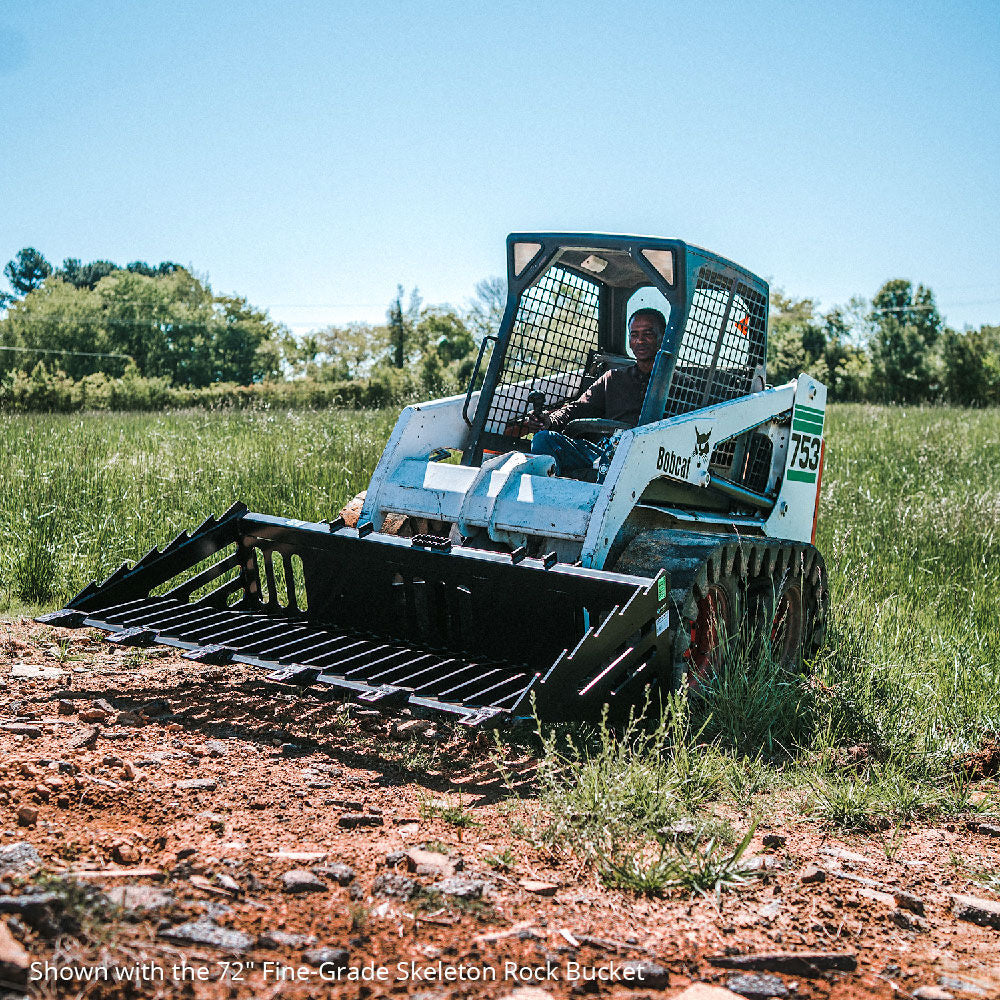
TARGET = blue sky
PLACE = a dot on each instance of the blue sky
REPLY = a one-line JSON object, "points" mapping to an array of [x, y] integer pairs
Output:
{"points": [[312, 155]]}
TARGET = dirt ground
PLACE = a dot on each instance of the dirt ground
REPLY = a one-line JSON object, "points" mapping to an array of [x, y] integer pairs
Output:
{"points": [[210, 834]]}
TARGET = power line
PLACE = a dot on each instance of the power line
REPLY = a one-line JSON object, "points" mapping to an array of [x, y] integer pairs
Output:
{"points": [[79, 354]]}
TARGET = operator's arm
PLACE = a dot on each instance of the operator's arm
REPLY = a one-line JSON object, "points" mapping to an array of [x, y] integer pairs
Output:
{"points": [[593, 403]]}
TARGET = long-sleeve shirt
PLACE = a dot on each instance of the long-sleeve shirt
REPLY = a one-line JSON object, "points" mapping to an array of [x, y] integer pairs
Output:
{"points": [[616, 395]]}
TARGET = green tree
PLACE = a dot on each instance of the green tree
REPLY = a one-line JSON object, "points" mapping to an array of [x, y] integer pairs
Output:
{"points": [[906, 330], [402, 325], [348, 351], [57, 317], [971, 366], [27, 271], [795, 342], [486, 310]]}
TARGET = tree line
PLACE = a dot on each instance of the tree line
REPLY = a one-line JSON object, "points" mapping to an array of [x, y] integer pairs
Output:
{"points": [[104, 335]]}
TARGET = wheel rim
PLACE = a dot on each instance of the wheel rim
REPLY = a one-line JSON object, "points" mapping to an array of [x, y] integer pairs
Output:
{"points": [[708, 634], [786, 627]]}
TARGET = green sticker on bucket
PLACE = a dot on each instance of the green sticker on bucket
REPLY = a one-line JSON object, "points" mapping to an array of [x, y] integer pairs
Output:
{"points": [[661, 588]]}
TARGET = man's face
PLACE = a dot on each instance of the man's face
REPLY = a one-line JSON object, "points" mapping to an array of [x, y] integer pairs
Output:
{"points": [[644, 338]]}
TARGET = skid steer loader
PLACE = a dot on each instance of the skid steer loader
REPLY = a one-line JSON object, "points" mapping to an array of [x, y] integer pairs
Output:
{"points": [[520, 591]]}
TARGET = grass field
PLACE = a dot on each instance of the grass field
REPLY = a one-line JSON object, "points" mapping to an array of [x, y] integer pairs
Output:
{"points": [[909, 526]]}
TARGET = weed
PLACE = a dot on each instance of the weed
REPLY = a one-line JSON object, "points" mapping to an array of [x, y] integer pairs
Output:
{"points": [[62, 652], [989, 880], [744, 778], [437, 846], [503, 861], [451, 812], [703, 867]]}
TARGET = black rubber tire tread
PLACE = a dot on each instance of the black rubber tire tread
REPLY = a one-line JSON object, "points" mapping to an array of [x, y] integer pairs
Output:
{"points": [[695, 560]]}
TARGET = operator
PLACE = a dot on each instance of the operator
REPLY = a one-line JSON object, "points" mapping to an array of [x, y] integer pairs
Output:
{"points": [[616, 395]]}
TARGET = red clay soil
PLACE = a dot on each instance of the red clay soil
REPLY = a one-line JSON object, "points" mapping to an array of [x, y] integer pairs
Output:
{"points": [[181, 794]]}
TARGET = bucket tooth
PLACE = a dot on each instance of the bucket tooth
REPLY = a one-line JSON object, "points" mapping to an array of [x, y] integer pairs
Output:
{"points": [[64, 618], [385, 696], [216, 654], [136, 636], [177, 542], [302, 676], [148, 557], [119, 574], [483, 718]]}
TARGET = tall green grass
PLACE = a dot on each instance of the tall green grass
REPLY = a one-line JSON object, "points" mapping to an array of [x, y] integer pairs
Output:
{"points": [[910, 529], [81, 493], [909, 526]]}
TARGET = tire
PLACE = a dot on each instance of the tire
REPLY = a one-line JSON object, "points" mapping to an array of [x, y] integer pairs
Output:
{"points": [[717, 622], [788, 612]]}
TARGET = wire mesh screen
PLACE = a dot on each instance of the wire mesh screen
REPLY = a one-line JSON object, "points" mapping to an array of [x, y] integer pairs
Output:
{"points": [[554, 334], [724, 342]]}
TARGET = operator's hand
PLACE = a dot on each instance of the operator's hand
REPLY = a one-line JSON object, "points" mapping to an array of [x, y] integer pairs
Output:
{"points": [[527, 424], [532, 423]]}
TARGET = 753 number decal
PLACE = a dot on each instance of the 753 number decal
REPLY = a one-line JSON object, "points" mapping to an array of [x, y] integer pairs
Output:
{"points": [[805, 451]]}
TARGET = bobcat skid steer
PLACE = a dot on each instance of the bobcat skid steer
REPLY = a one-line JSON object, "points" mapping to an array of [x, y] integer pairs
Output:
{"points": [[517, 590]]}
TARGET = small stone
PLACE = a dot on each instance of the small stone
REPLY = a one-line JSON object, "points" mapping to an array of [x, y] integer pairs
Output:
{"points": [[128, 771], [394, 858], [36, 908], [801, 963], [140, 898], [206, 931], [954, 983], [196, 785], [337, 958], [341, 874], [415, 727], [66, 707], [774, 840], [757, 986], [538, 888], [398, 886], [348, 805], [908, 921], [282, 939], [186, 852], [93, 715], [428, 863], [290, 750], [907, 901], [18, 858], [642, 974], [769, 911], [989, 829], [124, 854], [14, 960], [983, 912], [217, 748], [461, 888], [228, 883], [83, 740], [932, 993], [352, 820], [298, 880], [811, 874], [21, 729], [682, 828], [27, 816]]}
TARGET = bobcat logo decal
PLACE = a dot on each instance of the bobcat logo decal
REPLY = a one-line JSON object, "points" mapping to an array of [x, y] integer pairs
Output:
{"points": [[701, 446]]}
